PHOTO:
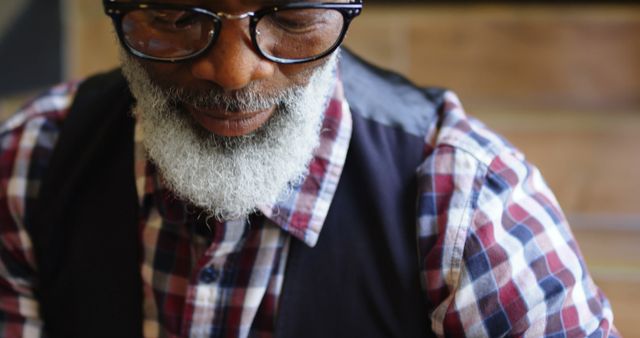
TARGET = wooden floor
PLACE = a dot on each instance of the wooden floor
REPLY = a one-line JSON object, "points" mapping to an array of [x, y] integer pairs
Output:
{"points": [[592, 162]]}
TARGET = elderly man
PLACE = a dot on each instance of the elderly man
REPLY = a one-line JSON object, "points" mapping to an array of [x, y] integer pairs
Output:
{"points": [[240, 176]]}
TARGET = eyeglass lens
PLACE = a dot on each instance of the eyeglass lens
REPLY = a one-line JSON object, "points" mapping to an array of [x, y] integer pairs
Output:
{"points": [[291, 34], [299, 33], [167, 33]]}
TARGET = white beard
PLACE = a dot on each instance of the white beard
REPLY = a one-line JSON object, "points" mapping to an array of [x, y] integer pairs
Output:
{"points": [[229, 177]]}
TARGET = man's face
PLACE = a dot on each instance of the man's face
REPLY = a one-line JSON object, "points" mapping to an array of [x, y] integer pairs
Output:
{"points": [[231, 65], [229, 130]]}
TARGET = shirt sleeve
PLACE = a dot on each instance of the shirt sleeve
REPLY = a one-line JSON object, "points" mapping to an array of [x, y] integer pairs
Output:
{"points": [[18, 307], [26, 143], [498, 257]]}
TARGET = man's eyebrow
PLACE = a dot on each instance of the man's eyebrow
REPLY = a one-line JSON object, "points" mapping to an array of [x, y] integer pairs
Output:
{"points": [[279, 2], [285, 2]]}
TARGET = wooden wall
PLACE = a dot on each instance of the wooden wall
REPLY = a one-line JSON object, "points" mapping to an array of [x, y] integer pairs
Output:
{"points": [[521, 57], [534, 56]]}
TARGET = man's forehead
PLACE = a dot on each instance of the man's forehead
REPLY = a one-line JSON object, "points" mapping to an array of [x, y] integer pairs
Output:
{"points": [[218, 3]]}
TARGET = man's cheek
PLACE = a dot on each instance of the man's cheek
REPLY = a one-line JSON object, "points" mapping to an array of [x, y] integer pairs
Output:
{"points": [[178, 75], [165, 74], [300, 74]]}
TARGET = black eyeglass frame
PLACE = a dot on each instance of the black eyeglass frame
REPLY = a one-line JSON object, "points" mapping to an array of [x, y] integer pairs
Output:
{"points": [[117, 10]]}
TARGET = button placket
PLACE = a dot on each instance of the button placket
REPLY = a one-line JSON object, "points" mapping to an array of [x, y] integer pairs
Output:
{"points": [[205, 291], [209, 274]]}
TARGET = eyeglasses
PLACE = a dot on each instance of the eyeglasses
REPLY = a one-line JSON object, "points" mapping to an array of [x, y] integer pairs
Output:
{"points": [[289, 33]]}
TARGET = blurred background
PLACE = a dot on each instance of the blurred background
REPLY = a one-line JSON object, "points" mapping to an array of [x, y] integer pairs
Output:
{"points": [[560, 80]]}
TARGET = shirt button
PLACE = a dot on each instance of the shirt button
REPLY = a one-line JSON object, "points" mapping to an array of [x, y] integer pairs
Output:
{"points": [[209, 275]]}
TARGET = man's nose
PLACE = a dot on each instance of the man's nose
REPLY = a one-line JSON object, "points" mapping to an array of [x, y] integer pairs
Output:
{"points": [[232, 63]]}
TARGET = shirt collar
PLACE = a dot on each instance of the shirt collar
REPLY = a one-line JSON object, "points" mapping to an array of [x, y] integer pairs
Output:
{"points": [[303, 213]]}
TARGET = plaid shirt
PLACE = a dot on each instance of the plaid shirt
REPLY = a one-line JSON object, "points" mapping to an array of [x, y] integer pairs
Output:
{"points": [[497, 256]]}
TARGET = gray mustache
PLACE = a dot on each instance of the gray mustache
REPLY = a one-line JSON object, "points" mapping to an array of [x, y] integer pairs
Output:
{"points": [[245, 100]]}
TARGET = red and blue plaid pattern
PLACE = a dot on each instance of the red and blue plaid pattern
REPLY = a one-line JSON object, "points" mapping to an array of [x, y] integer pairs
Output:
{"points": [[497, 255], [26, 141]]}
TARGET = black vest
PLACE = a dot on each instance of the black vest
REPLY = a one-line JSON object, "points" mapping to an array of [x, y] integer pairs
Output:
{"points": [[361, 280]]}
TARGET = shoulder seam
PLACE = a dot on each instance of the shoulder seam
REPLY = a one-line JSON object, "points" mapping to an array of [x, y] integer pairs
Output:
{"points": [[51, 105]]}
